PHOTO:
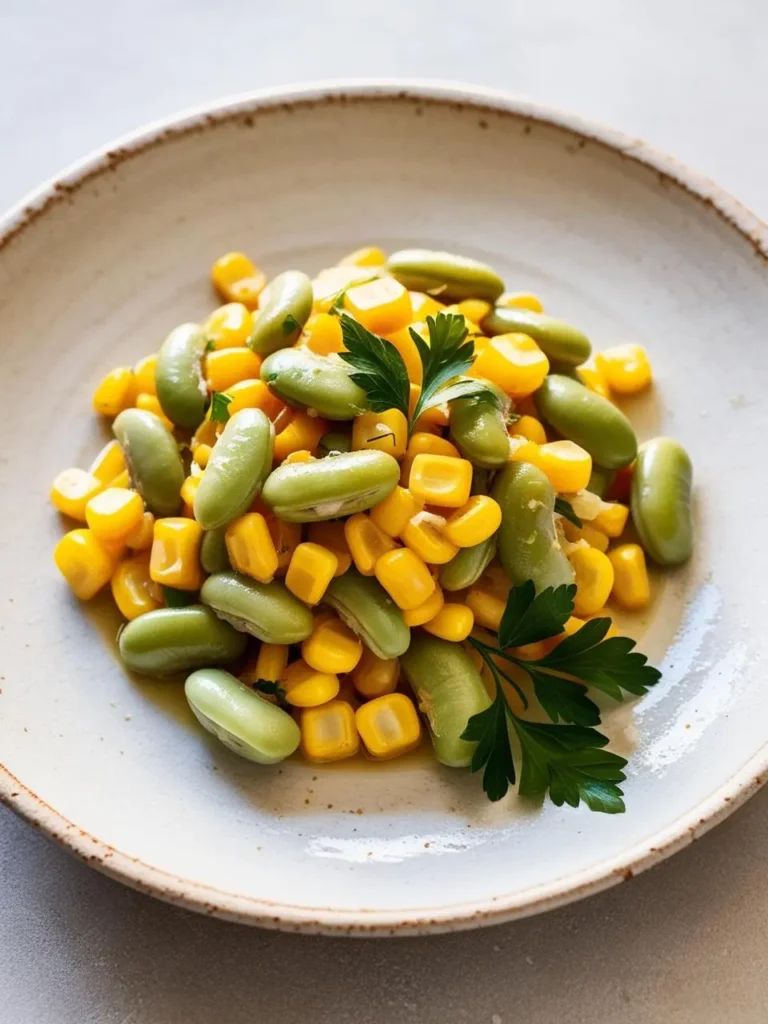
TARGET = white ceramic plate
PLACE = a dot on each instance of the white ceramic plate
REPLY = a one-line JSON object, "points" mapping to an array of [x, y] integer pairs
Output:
{"points": [[97, 267]]}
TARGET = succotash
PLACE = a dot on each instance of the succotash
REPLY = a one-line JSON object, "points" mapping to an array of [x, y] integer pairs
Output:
{"points": [[378, 505]]}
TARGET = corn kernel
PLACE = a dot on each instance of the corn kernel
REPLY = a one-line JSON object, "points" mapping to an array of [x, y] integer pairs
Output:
{"points": [[330, 282], [230, 366], [109, 463], [405, 577], [394, 513], [132, 587], [427, 542], [406, 346], [474, 309], [189, 489], [486, 607], [84, 563], [271, 662], [72, 490], [175, 558], [381, 306], [311, 569], [144, 374], [202, 455], [253, 394], [385, 431], [594, 576], [436, 417], [121, 480], [114, 513], [115, 392], [612, 519], [537, 649], [429, 444], [236, 279], [331, 535], [368, 256], [474, 522], [140, 537], [229, 326], [286, 537], [389, 726], [322, 334], [250, 547], [594, 379], [151, 403], [514, 362], [331, 646], [631, 587], [453, 622], [329, 733], [587, 532], [300, 456], [441, 480], [366, 542], [626, 368], [374, 676], [530, 428], [424, 306], [520, 300], [302, 433], [567, 466], [426, 611], [305, 687]]}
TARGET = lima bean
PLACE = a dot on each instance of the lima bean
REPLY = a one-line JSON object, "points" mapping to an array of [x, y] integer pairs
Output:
{"points": [[466, 567], [303, 492], [363, 604], [559, 342], [661, 500], [449, 691], [282, 318], [153, 459], [528, 547], [479, 428], [455, 277], [268, 611], [214, 556], [309, 381], [171, 640], [335, 442], [181, 388], [242, 720], [238, 467], [588, 419]]}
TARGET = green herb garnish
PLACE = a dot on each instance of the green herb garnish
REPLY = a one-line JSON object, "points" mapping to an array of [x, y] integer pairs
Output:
{"points": [[270, 687], [219, 407], [210, 345], [290, 324], [565, 509]]}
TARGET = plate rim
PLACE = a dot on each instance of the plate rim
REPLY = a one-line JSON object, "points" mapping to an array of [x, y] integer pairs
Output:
{"points": [[334, 921]]}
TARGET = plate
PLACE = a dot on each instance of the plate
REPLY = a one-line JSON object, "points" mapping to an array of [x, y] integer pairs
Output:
{"points": [[96, 267]]}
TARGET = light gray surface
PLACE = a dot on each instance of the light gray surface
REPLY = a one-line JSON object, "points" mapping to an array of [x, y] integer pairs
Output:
{"points": [[686, 942]]}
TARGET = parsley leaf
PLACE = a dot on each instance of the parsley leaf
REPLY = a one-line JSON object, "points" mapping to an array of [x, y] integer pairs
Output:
{"points": [[270, 687], [529, 616], [493, 752], [290, 324], [210, 345], [219, 410], [178, 598], [445, 357], [565, 509], [378, 367]]}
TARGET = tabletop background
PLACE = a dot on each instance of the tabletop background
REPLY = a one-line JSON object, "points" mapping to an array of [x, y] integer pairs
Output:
{"points": [[683, 943]]}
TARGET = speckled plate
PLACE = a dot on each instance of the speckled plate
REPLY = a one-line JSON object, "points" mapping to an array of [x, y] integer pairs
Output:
{"points": [[96, 267]]}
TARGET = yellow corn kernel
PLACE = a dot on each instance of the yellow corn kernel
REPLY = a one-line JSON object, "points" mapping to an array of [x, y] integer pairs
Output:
{"points": [[612, 519], [567, 466], [382, 306], [530, 428], [368, 256], [230, 366], [474, 522], [322, 334], [521, 300], [121, 480], [385, 431], [441, 480], [189, 489], [514, 362], [303, 433], [84, 563], [202, 455], [486, 607], [109, 463], [595, 538], [229, 326], [366, 542], [374, 676], [206, 434], [331, 646], [151, 403], [422, 443], [115, 392], [453, 622], [305, 687], [495, 581], [474, 309], [424, 306], [389, 726], [594, 576], [113, 513], [331, 535], [72, 490], [175, 558], [405, 577], [406, 346], [433, 419], [300, 456], [427, 542], [426, 611], [236, 279], [594, 379], [253, 394], [631, 587], [329, 733], [250, 547], [626, 368], [286, 537], [394, 513], [330, 282], [140, 537], [271, 661], [132, 587], [311, 569], [522, 450], [144, 374]]}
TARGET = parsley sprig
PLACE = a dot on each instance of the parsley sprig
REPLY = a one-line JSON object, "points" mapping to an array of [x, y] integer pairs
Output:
{"points": [[566, 759], [271, 688], [219, 406]]}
